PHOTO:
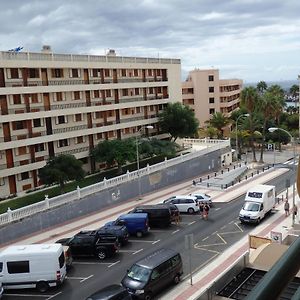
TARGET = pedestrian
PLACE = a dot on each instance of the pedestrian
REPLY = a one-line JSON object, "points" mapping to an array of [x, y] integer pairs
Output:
{"points": [[201, 205], [287, 207], [295, 211], [205, 211], [194, 183], [177, 216]]}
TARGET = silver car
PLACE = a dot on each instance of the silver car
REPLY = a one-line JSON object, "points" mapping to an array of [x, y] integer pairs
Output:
{"points": [[202, 197]]}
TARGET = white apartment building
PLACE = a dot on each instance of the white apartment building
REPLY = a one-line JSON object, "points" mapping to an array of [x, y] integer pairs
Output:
{"points": [[53, 104], [205, 93]]}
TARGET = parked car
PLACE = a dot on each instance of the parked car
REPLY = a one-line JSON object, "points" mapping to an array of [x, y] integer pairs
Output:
{"points": [[111, 292], [159, 216], [187, 204], [150, 275], [173, 208], [136, 223], [202, 197], [92, 243], [120, 231]]}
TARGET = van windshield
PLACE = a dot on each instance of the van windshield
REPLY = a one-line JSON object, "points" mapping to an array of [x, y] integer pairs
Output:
{"points": [[139, 273], [251, 206]]}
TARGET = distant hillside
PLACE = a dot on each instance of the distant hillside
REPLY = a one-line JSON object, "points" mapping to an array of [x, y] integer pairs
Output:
{"points": [[286, 84]]}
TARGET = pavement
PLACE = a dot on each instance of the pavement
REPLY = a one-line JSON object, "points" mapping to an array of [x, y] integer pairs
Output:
{"points": [[212, 270]]}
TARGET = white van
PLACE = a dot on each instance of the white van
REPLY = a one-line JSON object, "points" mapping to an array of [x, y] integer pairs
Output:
{"points": [[259, 200], [32, 266]]}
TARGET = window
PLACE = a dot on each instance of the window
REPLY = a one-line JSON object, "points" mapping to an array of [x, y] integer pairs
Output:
{"points": [[149, 72], [78, 117], [211, 89], [95, 72], [99, 136], [74, 73], [59, 96], [96, 94], [136, 91], [151, 90], [106, 72], [24, 175], [211, 100], [17, 99], [34, 98], [123, 72], [22, 150], [175, 260], [125, 92], [1, 266], [211, 111], [61, 260], [77, 95], [61, 119], [37, 123], [210, 77], [98, 115], [79, 140], [33, 73], [18, 125], [108, 93], [138, 110], [57, 73], [14, 73], [14, 267], [136, 72], [39, 147], [63, 143]]}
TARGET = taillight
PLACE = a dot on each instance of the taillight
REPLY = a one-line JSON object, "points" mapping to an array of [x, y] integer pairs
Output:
{"points": [[58, 276]]}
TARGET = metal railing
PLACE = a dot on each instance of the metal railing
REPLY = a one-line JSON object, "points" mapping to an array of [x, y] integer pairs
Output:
{"points": [[14, 215]]}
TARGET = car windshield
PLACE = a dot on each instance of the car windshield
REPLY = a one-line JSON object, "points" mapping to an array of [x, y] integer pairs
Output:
{"points": [[139, 273], [251, 206]]}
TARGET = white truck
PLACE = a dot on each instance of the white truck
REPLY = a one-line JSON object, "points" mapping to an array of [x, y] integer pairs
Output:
{"points": [[37, 266], [259, 200]]}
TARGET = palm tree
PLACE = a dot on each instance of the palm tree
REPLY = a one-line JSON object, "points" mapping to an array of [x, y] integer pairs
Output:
{"points": [[249, 97], [294, 91], [261, 87], [219, 121]]}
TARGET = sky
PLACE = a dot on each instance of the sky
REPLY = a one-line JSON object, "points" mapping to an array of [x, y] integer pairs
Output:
{"points": [[252, 40]]}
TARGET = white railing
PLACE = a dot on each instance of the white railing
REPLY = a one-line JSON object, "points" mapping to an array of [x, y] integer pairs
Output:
{"points": [[14, 215]]}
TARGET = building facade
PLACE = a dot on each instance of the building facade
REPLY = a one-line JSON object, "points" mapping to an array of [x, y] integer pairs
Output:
{"points": [[205, 93], [53, 104]]}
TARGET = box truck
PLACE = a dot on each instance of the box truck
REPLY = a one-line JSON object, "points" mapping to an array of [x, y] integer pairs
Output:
{"points": [[37, 266], [259, 200]]}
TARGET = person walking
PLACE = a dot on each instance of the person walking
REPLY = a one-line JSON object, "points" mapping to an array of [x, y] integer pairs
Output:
{"points": [[295, 212], [287, 208], [201, 205], [205, 211], [177, 217]]}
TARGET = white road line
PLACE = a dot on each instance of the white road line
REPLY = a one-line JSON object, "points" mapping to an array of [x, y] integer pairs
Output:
{"points": [[77, 278], [54, 295], [175, 231], [221, 238], [140, 241], [86, 278], [113, 264], [155, 242], [137, 251], [223, 227], [191, 223], [218, 208], [126, 251], [231, 222], [239, 227], [90, 263], [205, 239], [214, 232], [26, 295]]}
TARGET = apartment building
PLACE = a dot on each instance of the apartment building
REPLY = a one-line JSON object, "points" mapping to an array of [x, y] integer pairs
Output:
{"points": [[53, 104], [206, 93]]}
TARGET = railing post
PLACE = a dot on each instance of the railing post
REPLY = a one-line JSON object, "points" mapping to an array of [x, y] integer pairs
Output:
{"points": [[104, 181], [47, 201], [127, 173], [148, 168], [9, 214], [78, 192]]}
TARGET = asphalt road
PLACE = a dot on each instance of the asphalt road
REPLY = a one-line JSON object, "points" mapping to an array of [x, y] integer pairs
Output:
{"points": [[211, 237]]}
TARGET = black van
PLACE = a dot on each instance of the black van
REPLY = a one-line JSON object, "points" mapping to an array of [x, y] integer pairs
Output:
{"points": [[159, 216], [150, 275]]}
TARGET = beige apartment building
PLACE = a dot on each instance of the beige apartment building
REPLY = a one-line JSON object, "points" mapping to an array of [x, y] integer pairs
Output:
{"points": [[53, 104], [206, 93]]}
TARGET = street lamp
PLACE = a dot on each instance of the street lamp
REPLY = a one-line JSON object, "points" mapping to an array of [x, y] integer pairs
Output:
{"points": [[272, 129], [138, 157], [236, 132]]}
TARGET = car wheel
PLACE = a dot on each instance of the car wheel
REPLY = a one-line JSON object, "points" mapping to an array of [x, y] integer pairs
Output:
{"points": [[190, 210], [148, 296], [176, 279], [42, 286], [139, 234], [101, 254], [258, 221]]}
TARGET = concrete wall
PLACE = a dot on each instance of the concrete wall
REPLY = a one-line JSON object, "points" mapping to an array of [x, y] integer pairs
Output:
{"points": [[171, 175]]}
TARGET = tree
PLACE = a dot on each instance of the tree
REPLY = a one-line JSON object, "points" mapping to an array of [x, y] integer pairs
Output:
{"points": [[115, 152], [261, 87], [153, 146], [294, 90], [219, 121], [179, 121], [60, 169], [249, 97], [211, 132]]}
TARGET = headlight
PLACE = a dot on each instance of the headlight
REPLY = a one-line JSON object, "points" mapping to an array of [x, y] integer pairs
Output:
{"points": [[138, 292]]}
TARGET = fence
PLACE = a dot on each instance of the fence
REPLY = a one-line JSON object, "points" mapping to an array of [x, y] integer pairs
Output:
{"points": [[18, 214]]}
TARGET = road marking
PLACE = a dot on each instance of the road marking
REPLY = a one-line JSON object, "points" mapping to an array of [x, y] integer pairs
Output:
{"points": [[155, 242], [231, 222], [126, 251], [191, 223], [175, 231], [54, 295], [27, 295], [137, 251], [218, 208], [221, 238], [86, 278], [141, 241], [205, 239], [113, 264], [239, 227], [77, 278], [213, 251], [214, 233], [208, 245], [223, 227], [90, 263]]}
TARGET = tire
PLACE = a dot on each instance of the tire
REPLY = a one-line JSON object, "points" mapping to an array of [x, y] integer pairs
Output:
{"points": [[139, 234], [176, 279], [101, 254], [148, 296], [190, 210], [258, 221], [42, 286]]}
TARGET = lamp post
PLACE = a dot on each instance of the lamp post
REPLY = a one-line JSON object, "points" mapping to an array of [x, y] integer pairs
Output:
{"points": [[138, 157], [236, 132], [272, 129]]}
